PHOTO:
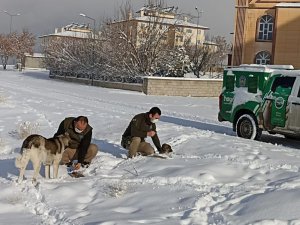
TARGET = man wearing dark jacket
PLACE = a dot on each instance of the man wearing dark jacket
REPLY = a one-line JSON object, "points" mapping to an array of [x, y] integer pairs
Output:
{"points": [[80, 146], [140, 127]]}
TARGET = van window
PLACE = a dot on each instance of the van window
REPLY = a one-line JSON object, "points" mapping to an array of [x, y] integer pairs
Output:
{"points": [[252, 84], [299, 93], [230, 81], [284, 82]]}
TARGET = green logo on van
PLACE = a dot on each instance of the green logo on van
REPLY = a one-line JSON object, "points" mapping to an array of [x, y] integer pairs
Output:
{"points": [[228, 100], [242, 81], [279, 102]]}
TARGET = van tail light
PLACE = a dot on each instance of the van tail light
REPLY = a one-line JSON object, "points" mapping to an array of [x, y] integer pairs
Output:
{"points": [[220, 101]]}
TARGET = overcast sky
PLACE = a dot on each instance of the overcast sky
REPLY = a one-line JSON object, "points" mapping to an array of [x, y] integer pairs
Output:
{"points": [[43, 16]]}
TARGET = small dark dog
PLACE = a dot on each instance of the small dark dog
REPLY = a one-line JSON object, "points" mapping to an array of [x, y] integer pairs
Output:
{"points": [[165, 149]]}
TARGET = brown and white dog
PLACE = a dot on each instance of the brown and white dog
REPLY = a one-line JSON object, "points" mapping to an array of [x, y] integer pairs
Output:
{"points": [[166, 149], [40, 150]]}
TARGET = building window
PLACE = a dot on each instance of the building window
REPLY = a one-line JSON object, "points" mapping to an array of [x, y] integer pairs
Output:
{"points": [[263, 58], [189, 31], [179, 38], [265, 28]]}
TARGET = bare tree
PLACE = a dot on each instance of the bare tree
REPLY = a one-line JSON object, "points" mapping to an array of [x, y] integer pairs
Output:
{"points": [[136, 51], [25, 42], [207, 55], [15, 44], [6, 48], [222, 48], [138, 47]]}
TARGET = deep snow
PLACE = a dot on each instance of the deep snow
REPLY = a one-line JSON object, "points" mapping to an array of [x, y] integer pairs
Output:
{"points": [[213, 178]]}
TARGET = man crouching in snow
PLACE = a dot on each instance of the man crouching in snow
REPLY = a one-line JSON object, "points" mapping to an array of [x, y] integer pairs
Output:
{"points": [[141, 126]]}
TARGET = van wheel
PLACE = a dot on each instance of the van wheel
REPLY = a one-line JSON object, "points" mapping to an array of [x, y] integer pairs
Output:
{"points": [[246, 127]]}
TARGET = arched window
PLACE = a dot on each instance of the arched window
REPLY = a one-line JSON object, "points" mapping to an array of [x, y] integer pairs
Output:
{"points": [[265, 28], [263, 58]]}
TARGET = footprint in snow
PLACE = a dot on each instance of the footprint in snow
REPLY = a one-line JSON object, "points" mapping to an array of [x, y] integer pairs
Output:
{"points": [[126, 210]]}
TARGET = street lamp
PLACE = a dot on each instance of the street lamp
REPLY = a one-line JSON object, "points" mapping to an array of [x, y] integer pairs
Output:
{"points": [[196, 55], [94, 21], [11, 18], [198, 18], [93, 50]]}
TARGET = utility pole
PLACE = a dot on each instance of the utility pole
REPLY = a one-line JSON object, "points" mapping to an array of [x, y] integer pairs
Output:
{"points": [[196, 55], [94, 42], [198, 19]]}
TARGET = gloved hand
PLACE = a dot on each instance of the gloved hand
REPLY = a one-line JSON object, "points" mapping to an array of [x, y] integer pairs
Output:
{"points": [[77, 166]]}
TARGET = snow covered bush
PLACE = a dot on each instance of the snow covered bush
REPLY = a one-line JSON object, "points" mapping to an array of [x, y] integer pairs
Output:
{"points": [[1, 142], [176, 63], [14, 199], [117, 189], [2, 99], [25, 129]]}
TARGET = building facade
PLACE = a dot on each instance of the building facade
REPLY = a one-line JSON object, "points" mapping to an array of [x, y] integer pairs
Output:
{"points": [[267, 32], [71, 31], [175, 29]]}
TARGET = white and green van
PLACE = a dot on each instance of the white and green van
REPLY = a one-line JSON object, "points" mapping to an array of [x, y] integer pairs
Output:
{"points": [[256, 98]]}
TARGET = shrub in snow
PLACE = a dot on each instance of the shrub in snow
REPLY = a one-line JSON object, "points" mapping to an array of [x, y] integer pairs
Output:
{"points": [[25, 129], [2, 99], [117, 189], [15, 199], [1, 142]]}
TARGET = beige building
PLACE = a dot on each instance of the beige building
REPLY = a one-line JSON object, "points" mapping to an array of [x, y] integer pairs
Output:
{"points": [[69, 32], [176, 29], [267, 32]]}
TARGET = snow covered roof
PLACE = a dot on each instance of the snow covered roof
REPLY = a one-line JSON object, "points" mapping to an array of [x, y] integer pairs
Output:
{"points": [[288, 5], [77, 26], [279, 67], [35, 55], [176, 22], [72, 30], [68, 33], [171, 9], [286, 70], [210, 43]]}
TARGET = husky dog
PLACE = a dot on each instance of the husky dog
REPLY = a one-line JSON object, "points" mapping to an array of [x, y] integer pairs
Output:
{"points": [[40, 150], [166, 149]]}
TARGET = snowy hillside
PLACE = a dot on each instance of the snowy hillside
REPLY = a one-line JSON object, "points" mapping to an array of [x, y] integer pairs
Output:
{"points": [[213, 178]]}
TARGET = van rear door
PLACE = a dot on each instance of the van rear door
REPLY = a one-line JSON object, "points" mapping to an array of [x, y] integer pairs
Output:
{"points": [[281, 91], [293, 118]]}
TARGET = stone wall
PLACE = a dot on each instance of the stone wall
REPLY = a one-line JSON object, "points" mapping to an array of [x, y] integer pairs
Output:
{"points": [[114, 85], [161, 86], [182, 86], [34, 62]]}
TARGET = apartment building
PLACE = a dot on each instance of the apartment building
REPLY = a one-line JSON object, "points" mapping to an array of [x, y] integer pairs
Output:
{"points": [[176, 29]]}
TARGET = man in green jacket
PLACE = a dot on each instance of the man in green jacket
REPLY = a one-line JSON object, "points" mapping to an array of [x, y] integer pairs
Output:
{"points": [[140, 127], [80, 146]]}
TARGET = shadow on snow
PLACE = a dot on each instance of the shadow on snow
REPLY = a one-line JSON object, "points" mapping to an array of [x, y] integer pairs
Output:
{"points": [[113, 149], [273, 139]]}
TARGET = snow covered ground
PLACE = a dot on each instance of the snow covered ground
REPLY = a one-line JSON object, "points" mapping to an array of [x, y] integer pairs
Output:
{"points": [[213, 178]]}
